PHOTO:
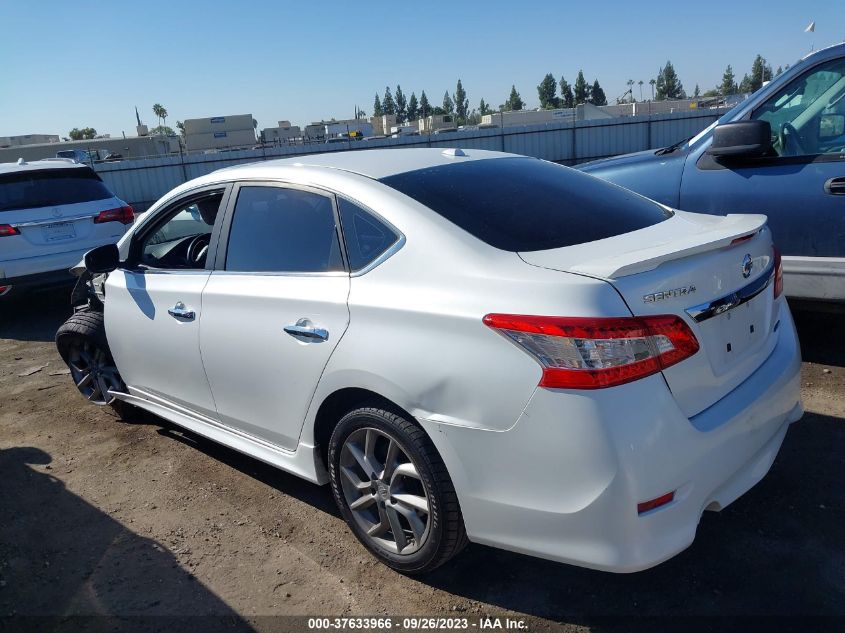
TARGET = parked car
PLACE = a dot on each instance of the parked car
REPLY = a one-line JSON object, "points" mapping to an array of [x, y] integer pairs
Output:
{"points": [[51, 213], [445, 130], [467, 345], [782, 153]]}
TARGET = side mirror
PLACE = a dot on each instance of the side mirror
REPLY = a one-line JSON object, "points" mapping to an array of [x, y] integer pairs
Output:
{"points": [[831, 125], [102, 259], [743, 139]]}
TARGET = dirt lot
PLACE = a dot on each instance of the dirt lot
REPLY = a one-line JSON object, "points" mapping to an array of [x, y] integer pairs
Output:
{"points": [[104, 517]]}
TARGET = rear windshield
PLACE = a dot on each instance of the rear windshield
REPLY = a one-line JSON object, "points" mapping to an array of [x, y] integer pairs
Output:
{"points": [[50, 187], [525, 204]]}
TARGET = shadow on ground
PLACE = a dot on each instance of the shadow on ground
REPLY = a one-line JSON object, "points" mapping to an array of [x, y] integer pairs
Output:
{"points": [[34, 317], [48, 571]]}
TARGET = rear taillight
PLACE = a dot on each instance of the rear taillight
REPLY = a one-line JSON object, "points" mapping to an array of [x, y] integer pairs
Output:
{"points": [[8, 229], [124, 215], [593, 353], [778, 274]]}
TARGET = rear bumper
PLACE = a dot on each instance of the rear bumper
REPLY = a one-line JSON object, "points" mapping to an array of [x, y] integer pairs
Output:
{"points": [[38, 281], [564, 482]]}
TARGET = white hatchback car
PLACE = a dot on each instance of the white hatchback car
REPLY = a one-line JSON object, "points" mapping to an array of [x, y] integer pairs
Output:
{"points": [[466, 345], [51, 213]]}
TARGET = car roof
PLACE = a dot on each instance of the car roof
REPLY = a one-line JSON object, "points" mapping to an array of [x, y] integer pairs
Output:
{"points": [[36, 165], [372, 163]]}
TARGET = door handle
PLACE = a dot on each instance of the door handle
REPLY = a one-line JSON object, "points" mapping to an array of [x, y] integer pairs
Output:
{"points": [[306, 329], [835, 186], [179, 311]]}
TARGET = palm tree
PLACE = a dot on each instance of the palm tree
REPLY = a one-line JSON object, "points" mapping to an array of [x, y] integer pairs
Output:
{"points": [[160, 111], [652, 82], [640, 82], [630, 84]]}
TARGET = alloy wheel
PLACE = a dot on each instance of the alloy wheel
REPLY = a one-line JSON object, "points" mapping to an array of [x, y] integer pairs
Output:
{"points": [[94, 372], [384, 491]]}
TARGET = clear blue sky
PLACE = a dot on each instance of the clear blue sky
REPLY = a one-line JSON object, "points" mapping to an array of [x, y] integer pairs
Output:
{"points": [[82, 63]]}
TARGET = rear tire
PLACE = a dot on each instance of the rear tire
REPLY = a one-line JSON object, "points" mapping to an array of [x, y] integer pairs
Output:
{"points": [[81, 342], [393, 490]]}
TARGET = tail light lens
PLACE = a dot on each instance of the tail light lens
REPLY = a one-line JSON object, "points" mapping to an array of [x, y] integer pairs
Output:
{"points": [[778, 274], [124, 215], [594, 353], [8, 229]]}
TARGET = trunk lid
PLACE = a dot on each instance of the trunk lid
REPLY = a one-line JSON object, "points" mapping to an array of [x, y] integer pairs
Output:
{"points": [[714, 272]]}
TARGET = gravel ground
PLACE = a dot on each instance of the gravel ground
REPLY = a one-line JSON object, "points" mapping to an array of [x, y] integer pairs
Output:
{"points": [[110, 518]]}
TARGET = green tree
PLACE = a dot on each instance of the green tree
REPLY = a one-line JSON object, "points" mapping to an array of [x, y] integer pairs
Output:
{"points": [[652, 82], [413, 108], [567, 99], [547, 91], [745, 84], [582, 89], [401, 105], [425, 106], [669, 86], [514, 101], [165, 130], [161, 112], [484, 107], [75, 134], [728, 85], [448, 104], [388, 106], [760, 73], [181, 127], [597, 96], [779, 71], [697, 92], [641, 82], [377, 111], [630, 84], [461, 103]]}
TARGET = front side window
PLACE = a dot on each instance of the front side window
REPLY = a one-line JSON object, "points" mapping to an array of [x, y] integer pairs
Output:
{"points": [[275, 229], [365, 235], [808, 114], [182, 238]]}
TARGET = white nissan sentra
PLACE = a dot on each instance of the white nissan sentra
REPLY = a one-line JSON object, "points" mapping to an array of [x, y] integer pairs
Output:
{"points": [[467, 345]]}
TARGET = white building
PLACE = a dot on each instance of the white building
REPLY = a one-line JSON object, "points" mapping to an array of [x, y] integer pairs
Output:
{"points": [[220, 132], [28, 139], [283, 133]]}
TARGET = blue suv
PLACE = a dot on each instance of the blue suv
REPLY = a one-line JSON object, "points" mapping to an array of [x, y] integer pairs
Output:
{"points": [[781, 152]]}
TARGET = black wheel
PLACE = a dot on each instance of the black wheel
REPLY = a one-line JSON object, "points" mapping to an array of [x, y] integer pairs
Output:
{"points": [[81, 341], [394, 491]]}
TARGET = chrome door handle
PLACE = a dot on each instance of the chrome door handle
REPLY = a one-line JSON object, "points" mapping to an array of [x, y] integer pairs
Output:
{"points": [[179, 311], [306, 329]]}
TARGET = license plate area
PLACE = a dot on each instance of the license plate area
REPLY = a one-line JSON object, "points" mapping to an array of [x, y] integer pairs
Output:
{"points": [[58, 231], [737, 333]]}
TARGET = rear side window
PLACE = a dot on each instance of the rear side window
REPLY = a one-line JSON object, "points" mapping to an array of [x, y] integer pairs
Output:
{"points": [[525, 204], [366, 236], [283, 230], [50, 187]]}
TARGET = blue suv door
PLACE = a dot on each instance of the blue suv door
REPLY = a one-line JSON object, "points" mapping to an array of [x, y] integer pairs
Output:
{"points": [[800, 187]]}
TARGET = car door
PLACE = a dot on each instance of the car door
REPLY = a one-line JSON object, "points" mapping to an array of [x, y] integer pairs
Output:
{"points": [[274, 308], [153, 304], [801, 187]]}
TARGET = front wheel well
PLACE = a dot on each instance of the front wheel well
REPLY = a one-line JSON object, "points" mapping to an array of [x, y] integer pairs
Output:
{"points": [[339, 404]]}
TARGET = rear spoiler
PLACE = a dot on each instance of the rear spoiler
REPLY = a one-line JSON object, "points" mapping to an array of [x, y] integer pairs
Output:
{"points": [[716, 232]]}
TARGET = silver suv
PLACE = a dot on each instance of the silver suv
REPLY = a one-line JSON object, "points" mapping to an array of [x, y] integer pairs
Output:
{"points": [[51, 213]]}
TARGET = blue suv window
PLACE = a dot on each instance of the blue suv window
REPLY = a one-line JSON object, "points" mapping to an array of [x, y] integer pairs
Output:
{"points": [[525, 204]]}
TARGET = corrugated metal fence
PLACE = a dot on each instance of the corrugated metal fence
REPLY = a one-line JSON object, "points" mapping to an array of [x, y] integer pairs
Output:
{"points": [[142, 182]]}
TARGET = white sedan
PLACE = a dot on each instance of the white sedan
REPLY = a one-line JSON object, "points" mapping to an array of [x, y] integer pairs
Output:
{"points": [[469, 346]]}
